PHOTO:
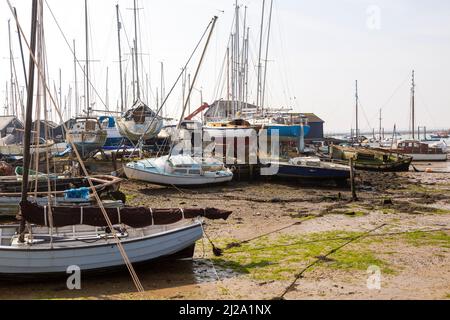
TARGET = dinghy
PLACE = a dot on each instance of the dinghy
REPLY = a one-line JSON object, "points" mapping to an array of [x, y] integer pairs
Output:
{"points": [[181, 170]]}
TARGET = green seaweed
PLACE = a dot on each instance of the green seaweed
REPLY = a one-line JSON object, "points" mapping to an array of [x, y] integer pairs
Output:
{"points": [[279, 258]]}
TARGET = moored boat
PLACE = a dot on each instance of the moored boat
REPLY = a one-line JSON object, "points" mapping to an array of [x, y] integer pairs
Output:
{"points": [[420, 151], [181, 170], [371, 159], [312, 168]]}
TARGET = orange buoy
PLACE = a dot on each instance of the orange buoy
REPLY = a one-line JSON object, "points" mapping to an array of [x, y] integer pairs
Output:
{"points": [[428, 170]]}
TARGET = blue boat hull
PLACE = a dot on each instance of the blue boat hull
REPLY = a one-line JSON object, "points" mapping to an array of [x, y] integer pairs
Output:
{"points": [[292, 132], [286, 170]]}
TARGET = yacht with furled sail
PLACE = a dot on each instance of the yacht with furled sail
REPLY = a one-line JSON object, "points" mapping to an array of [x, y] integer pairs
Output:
{"points": [[140, 123]]}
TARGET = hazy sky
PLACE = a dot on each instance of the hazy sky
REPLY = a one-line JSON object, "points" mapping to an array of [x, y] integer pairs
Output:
{"points": [[317, 51]]}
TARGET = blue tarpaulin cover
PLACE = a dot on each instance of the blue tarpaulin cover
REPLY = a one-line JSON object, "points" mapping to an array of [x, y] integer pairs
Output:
{"points": [[81, 193]]}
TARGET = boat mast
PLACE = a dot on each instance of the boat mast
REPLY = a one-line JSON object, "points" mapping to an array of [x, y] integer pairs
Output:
{"points": [[119, 27], [267, 55], [107, 88], [138, 91], [11, 67], [357, 113], [77, 102], [237, 60], [28, 116], [163, 88], [88, 104], [381, 124], [227, 106], [413, 105], [21, 50], [259, 56]]}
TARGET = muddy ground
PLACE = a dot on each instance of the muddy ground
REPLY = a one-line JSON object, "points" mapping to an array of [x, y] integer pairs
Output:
{"points": [[400, 226]]}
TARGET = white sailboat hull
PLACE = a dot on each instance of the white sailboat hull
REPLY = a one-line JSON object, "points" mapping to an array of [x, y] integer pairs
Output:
{"points": [[175, 180], [104, 255], [135, 131]]}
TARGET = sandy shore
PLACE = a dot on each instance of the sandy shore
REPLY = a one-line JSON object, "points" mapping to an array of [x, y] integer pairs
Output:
{"points": [[302, 224]]}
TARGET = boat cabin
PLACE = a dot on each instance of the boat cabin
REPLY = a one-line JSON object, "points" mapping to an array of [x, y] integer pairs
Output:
{"points": [[86, 124], [416, 147]]}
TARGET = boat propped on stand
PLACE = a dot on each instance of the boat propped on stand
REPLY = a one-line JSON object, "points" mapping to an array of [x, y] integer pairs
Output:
{"points": [[140, 122], [180, 170], [88, 136]]}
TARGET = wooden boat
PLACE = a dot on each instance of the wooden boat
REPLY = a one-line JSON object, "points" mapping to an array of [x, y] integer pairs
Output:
{"points": [[88, 136], [371, 159], [82, 239], [313, 169], [140, 123], [420, 151], [181, 170]]}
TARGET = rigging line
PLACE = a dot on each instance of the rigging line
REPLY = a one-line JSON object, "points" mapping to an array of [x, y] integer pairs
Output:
{"points": [[361, 107], [318, 260], [92, 87], [426, 107], [92, 187], [393, 95]]}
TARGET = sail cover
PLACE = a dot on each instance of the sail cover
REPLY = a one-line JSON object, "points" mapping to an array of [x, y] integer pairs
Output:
{"points": [[138, 217]]}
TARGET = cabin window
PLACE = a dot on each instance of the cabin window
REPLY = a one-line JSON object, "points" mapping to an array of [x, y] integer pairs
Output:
{"points": [[194, 172], [180, 171]]}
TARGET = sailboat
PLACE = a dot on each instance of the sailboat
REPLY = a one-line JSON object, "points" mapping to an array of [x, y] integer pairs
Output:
{"points": [[87, 133], [415, 148], [50, 239], [182, 169], [140, 123]]}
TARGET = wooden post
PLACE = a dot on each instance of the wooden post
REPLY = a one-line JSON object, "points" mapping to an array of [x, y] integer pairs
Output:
{"points": [[352, 179]]}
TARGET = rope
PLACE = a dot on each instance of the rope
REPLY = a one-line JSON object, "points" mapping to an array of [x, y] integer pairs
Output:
{"points": [[128, 264], [239, 244], [318, 260]]}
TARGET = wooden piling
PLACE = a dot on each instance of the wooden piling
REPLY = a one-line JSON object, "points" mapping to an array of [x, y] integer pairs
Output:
{"points": [[352, 180]]}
